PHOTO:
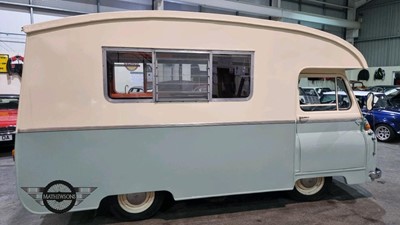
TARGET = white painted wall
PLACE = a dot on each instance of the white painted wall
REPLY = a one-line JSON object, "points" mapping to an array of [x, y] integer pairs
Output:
{"points": [[388, 80], [10, 84], [43, 17], [12, 22]]}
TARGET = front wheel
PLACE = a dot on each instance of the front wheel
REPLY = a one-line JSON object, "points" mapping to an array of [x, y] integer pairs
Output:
{"points": [[310, 189], [136, 206], [384, 133]]}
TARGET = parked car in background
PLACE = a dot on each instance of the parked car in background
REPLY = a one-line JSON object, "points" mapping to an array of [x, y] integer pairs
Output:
{"points": [[392, 92], [330, 97], [357, 85], [315, 91], [382, 88], [306, 98], [139, 89], [327, 102], [8, 119], [361, 97], [394, 95], [384, 116]]}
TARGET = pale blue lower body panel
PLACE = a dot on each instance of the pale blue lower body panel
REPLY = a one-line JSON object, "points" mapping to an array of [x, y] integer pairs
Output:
{"points": [[340, 148], [189, 162]]}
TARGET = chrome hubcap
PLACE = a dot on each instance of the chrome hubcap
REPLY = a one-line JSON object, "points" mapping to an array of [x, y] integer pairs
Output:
{"points": [[136, 199], [310, 186], [136, 202], [308, 183]]}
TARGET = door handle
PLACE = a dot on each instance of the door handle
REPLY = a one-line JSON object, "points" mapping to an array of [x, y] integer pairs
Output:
{"points": [[302, 118]]}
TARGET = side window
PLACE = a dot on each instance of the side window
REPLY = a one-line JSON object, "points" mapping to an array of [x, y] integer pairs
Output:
{"points": [[231, 76], [182, 76], [343, 95], [177, 76], [323, 94], [129, 74]]}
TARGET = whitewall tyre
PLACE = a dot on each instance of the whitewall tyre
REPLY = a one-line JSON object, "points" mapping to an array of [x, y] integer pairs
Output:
{"points": [[310, 189], [136, 206]]}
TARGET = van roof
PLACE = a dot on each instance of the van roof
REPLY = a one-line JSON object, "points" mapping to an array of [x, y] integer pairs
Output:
{"points": [[191, 16], [167, 14]]}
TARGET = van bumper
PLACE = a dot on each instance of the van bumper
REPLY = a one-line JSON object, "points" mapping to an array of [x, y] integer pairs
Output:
{"points": [[375, 174]]}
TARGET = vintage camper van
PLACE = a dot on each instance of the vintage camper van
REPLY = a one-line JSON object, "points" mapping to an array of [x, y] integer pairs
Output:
{"points": [[136, 105]]}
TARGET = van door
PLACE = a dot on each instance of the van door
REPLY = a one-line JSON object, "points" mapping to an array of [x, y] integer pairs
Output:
{"points": [[328, 127]]}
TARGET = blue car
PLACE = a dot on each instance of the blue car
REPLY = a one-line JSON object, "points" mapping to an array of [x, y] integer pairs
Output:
{"points": [[384, 117]]}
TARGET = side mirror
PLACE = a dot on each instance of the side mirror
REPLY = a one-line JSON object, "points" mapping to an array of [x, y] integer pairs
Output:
{"points": [[370, 101]]}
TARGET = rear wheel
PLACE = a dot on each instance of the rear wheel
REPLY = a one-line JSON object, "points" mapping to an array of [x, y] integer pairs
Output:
{"points": [[310, 189], [384, 133], [136, 206]]}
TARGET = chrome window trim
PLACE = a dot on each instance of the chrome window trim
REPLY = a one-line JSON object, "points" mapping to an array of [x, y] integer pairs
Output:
{"points": [[105, 81], [174, 100], [346, 85], [157, 50], [209, 72], [251, 53], [153, 51]]}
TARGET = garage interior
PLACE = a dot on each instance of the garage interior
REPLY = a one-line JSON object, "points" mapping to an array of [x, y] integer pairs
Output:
{"points": [[372, 26]]}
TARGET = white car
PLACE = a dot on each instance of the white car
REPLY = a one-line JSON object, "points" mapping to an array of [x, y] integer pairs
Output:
{"points": [[315, 91]]}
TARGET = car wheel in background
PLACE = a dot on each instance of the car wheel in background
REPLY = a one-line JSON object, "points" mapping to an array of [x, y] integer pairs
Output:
{"points": [[384, 133]]}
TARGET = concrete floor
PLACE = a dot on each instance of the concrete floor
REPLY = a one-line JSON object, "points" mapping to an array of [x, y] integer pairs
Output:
{"points": [[371, 203]]}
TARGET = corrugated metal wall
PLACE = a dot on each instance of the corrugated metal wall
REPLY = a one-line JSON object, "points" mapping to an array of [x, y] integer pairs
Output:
{"points": [[379, 37]]}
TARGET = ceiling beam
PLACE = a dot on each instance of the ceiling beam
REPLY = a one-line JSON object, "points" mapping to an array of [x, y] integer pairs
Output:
{"points": [[327, 4], [41, 7], [359, 3], [260, 10]]}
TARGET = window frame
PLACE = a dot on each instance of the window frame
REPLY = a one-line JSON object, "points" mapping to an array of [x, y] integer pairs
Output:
{"points": [[153, 52], [251, 53], [336, 77], [105, 75], [156, 75]]}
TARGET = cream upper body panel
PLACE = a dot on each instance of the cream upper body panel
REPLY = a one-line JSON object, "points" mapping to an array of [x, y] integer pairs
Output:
{"points": [[63, 82]]}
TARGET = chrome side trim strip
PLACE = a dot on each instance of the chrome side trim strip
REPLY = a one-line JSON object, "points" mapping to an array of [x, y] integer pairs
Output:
{"points": [[328, 120], [330, 171], [153, 126], [178, 125]]}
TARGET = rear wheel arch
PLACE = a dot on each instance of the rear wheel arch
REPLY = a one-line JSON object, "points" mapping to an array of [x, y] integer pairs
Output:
{"points": [[121, 207]]}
